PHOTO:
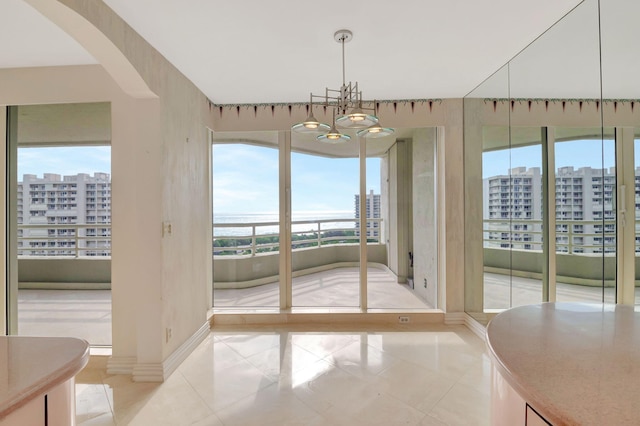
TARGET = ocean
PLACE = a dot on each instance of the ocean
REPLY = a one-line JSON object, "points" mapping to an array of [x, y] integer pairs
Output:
{"points": [[270, 221]]}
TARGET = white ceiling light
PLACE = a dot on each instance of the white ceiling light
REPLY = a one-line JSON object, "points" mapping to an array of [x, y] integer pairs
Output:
{"points": [[351, 110]]}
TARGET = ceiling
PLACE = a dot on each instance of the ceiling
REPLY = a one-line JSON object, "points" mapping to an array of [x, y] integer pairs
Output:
{"points": [[280, 50]]}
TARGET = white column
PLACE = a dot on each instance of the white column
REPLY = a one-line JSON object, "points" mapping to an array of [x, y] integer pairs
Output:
{"points": [[626, 215], [284, 143], [550, 231], [136, 265], [363, 223]]}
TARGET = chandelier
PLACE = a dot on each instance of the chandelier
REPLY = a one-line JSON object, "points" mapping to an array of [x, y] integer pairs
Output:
{"points": [[349, 110]]}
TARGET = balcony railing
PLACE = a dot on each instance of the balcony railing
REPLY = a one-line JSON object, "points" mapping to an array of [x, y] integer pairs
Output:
{"points": [[67, 240], [76, 240], [510, 233], [261, 237]]}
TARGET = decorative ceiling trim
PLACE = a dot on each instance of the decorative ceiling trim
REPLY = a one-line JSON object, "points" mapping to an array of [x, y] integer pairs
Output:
{"points": [[306, 104], [560, 100]]}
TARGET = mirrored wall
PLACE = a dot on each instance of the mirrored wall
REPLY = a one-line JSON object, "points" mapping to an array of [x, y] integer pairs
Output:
{"points": [[550, 181]]}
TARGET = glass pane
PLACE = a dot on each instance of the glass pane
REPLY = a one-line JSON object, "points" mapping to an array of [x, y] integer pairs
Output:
{"points": [[325, 245], [486, 154], [497, 216], [246, 236], [585, 218], [402, 256], [64, 222], [527, 221], [620, 89], [513, 224], [555, 82]]}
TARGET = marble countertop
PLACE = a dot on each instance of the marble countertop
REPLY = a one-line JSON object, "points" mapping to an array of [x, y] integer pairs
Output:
{"points": [[576, 364], [30, 366]]}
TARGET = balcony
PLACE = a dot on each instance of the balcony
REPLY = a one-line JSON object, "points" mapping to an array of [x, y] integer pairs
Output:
{"points": [[249, 258], [53, 296]]}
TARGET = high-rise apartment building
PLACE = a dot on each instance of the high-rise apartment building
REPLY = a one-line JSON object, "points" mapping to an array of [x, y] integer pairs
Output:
{"points": [[373, 212], [64, 216], [585, 215], [513, 204]]}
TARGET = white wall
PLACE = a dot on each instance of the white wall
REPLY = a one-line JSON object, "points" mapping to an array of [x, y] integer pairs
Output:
{"points": [[425, 237], [159, 141], [171, 152]]}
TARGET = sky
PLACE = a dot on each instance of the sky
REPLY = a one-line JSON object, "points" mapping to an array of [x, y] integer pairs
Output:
{"points": [[579, 153], [246, 180], [64, 160], [246, 176]]}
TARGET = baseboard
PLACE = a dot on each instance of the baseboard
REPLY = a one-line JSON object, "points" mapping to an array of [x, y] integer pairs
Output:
{"points": [[148, 372], [121, 364], [334, 318], [159, 372], [477, 328], [452, 318], [175, 359]]}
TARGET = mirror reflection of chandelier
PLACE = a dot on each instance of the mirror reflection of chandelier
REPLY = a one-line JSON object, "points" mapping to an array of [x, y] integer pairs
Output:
{"points": [[350, 111]]}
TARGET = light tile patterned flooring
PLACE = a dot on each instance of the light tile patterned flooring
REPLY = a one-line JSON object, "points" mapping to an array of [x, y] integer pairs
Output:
{"points": [[438, 375]]}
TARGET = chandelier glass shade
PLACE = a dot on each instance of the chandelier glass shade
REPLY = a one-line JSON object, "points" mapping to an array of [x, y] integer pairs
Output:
{"points": [[375, 131], [333, 136], [350, 111], [311, 125]]}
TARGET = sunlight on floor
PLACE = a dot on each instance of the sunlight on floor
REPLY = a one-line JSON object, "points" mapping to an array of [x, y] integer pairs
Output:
{"points": [[438, 375]]}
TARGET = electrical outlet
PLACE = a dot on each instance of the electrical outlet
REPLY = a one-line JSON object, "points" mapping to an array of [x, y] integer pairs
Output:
{"points": [[166, 229], [168, 334], [403, 320], [425, 283]]}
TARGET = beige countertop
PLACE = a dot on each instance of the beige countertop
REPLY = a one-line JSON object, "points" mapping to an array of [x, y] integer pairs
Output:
{"points": [[31, 366], [576, 364]]}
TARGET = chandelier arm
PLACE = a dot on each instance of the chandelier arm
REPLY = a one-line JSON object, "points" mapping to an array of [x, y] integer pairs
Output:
{"points": [[343, 67]]}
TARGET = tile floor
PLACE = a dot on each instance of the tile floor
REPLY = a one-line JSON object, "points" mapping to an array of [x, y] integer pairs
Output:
{"points": [[438, 375], [87, 313], [339, 287]]}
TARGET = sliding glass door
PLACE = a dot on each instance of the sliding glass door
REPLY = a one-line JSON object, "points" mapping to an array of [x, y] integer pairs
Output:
{"points": [[325, 242], [302, 224], [246, 223]]}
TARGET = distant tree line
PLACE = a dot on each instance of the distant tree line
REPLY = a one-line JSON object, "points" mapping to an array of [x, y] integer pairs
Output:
{"points": [[222, 246]]}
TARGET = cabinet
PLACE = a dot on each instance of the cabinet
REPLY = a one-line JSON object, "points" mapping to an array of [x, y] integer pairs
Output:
{"points": [[534, 419], [37, 379], [508, 408], [54, 408]]}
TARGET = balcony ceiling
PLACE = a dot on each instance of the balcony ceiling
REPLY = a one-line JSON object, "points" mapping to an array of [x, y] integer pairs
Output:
{"points": [[280, 50]]}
